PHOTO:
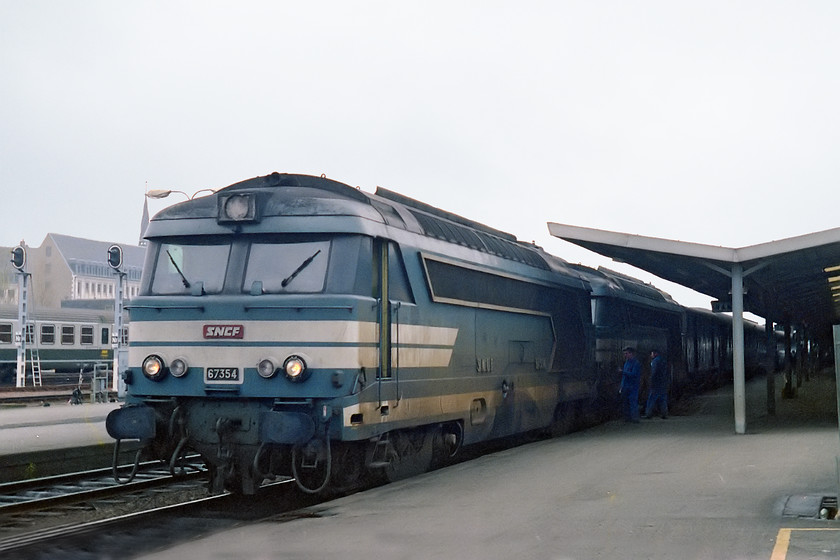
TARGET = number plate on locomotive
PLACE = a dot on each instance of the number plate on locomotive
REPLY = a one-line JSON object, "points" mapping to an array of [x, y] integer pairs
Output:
{"points": [[222, 375]]}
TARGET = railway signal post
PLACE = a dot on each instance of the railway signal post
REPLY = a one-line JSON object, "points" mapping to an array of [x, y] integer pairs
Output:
{"points": [[115, 261], [18, 260]]}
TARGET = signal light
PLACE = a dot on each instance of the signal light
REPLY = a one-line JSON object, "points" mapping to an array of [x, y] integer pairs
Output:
{"points": [[18, 257], [115, 256]]}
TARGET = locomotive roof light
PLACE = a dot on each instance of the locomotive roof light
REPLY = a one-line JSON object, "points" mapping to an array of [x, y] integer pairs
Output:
{"points": [[295, 369], [154, 368], [267, 368], [178, 367], [239, 207]]}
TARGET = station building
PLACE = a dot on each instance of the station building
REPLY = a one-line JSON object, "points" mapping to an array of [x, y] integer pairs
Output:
{"points": [[71, 272]]}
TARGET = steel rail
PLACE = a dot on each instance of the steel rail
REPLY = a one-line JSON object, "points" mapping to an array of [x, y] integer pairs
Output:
{"points": [[60, 490], [44, 537]]}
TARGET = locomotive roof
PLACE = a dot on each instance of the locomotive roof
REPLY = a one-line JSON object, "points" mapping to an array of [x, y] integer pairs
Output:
{"points": [[282, 194], [606, 282]]}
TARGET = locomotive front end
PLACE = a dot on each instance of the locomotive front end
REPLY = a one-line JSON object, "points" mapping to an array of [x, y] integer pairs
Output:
{"points": [[254, 324]]}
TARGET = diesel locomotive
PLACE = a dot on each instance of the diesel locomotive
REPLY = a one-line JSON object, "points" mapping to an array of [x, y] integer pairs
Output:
{"points": [[292, 325]]}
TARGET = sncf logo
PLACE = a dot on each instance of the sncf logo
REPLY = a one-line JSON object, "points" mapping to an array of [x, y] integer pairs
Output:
{"points": [[224, 331]]}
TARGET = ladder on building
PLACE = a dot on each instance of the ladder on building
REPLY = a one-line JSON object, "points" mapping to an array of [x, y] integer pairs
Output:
{"points": [[35, 363]]}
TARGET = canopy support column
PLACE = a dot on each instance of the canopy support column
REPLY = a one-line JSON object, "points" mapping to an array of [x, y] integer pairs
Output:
{"points": [[738, 348], [836, 332]]}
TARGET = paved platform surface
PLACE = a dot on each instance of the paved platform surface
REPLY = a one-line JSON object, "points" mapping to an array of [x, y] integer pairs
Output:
{"points": [[40, 441], [37, 428], [683, 488]]}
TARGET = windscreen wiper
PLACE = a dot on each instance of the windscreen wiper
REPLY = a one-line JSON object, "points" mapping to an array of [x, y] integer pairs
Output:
{"points": [[183, 278], [299, 269]]}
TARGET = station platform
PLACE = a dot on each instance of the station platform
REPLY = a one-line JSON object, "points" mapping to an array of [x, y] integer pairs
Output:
{"points": [[40, 441], [687, 487]]}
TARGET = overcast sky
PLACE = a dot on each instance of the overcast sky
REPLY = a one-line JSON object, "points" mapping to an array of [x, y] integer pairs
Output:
{"points": [[712, 122]]}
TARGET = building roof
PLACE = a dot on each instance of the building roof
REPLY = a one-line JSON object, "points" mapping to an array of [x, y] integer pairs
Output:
{"points": [[89, 255]]}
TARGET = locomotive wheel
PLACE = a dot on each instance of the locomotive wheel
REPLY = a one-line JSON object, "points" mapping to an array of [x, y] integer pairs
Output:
{"points": [[446, 442], [409, 454], [348, 467], [563, 421]]}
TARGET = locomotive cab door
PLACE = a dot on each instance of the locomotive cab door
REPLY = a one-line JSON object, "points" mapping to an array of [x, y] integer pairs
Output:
{"points": [[383, 312], [392, 290]]}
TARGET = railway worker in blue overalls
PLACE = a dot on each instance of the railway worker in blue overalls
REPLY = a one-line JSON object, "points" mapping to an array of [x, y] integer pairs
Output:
{"points": [[658, 386], [631, 375]]}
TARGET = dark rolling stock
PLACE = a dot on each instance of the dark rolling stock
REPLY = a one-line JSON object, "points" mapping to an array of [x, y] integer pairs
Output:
{"points": [[293, 325]]}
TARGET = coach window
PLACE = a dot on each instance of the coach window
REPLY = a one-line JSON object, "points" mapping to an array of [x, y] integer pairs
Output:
{"points": [[86, 334], [68, 334], [106, 336], [5, 333], [47, 334]]}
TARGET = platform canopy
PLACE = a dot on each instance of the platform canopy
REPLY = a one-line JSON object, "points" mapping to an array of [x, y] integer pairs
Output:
{"points": [[791, 281]]}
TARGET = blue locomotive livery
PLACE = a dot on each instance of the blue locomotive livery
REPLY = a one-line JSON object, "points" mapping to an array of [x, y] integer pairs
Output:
{"points": [[291, 325]]}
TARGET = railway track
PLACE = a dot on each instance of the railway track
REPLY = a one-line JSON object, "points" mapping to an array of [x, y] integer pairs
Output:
{"points": [[48, 508], [61, 490], [155, 528], [71, 540]]}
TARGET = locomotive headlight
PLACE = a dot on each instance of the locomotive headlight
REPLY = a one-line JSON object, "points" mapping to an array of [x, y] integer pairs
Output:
{"points": [[295, 368], [240, 207], [178, 367], [267, 368], [154, 368]]}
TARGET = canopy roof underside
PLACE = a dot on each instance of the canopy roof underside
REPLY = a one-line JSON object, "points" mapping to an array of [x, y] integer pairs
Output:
{"points": [[794, 280]]}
